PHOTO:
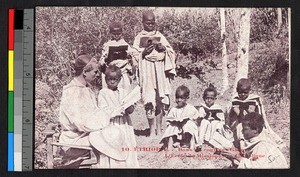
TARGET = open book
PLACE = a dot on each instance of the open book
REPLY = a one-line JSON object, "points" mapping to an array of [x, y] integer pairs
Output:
{"points": [[131, 98], [146, 41], [244, 104], [117, 52]]}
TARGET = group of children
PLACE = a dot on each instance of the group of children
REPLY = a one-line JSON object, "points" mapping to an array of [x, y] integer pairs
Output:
{"points": [[244, 128], [152, 59]]}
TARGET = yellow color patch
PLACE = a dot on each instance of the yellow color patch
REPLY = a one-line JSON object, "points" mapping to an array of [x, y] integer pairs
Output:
{"points": [[10, 70]]}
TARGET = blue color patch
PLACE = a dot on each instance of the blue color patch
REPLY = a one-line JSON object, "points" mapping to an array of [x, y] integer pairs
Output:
{"points": [[10, 152]]}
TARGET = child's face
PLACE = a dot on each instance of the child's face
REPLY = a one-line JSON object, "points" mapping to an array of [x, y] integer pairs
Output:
{"points": [[248, 132], [149, 23], [210, 98], [181, 98], [112, 80], [243, 92], [116, 34]]}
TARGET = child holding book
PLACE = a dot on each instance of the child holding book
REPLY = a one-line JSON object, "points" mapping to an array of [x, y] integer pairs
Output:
{"points": [[245, 103], [181, 126], [156, 66], [118, 52], [110, 100], [212, 127]]}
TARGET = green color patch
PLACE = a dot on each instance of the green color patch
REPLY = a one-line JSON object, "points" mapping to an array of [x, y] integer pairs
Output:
{"points": [[10, 112]]}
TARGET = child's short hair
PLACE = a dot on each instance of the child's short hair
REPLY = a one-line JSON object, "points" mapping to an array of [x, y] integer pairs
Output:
{"points": [[113, 69], [115, 24], [210, 89], [244, 83], [147, 14], [184, 89], [254, 120]]}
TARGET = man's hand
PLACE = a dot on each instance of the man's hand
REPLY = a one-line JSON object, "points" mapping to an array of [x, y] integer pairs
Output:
{"points": [[117, 112], [147, 50]]}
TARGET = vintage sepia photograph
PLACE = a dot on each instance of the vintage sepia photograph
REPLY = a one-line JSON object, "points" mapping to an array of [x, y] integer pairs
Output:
{"points": [[162, 88]]}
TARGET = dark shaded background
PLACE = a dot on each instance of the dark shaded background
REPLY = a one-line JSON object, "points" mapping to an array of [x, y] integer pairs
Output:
{"points": [[295, 48]]}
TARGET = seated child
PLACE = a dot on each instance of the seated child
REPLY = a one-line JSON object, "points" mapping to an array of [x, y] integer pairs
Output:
{"points": [[243, 104], [110, 100], [156, 67], [181, 127], [260, 151], [212, 124], [124, 58]]}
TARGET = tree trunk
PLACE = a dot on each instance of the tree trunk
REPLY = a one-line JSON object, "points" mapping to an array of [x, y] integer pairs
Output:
{"points": [[224, 51], [279, 18], [243, 45]]}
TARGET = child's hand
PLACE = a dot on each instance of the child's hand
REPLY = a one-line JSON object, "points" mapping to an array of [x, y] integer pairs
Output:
{"points": [[130, 109], [251, 108], [231, 155], [147, 50], [128, 56], [117, 112], [160, 47], [210, 118], [236, 110]]}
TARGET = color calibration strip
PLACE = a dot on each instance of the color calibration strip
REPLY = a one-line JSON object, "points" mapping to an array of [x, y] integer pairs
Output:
{"points": [[11, 14], [18, 88]]}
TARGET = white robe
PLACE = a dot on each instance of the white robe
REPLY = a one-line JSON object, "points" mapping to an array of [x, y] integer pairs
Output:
{"points": [[180, 115], [108, 100], [262, 153], [211, 127], [79, 114], [152, 75]]}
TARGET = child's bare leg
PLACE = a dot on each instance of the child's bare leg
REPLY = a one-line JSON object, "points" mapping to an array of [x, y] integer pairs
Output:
{"points": [[159, 112], [151, 125], [158, 123], [151, 117], [170, 143]]}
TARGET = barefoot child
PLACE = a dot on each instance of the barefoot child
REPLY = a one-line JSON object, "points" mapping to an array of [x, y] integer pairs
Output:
{"points": [[110, 100], [245, 103], [181, 126], [156, 66], [260, 151], [118, 52], [212, 124]]}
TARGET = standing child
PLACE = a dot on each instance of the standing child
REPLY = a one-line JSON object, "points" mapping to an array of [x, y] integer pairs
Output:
{"points": [[156, 67], [118, 52], [212, 124], [110, 100], [243, 104], [181, 126]]}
